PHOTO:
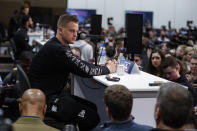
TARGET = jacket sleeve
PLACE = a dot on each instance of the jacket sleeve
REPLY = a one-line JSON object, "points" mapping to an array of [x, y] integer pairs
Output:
{"points": [[77, 66], [21, 39]]}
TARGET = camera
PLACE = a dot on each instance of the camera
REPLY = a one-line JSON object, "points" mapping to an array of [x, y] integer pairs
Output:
{"points": [[5, 124]]}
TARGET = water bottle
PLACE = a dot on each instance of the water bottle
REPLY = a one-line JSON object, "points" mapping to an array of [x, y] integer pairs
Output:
{"points": [[121, 64], [37, 27], [102, 54], [5, 123]]}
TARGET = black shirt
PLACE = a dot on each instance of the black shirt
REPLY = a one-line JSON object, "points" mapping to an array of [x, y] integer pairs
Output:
{"points": [[13, 26], [21, 40], [51, 67]]}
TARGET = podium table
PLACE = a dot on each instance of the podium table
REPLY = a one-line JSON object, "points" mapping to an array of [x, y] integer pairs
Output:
{"points": [[144, 96]]}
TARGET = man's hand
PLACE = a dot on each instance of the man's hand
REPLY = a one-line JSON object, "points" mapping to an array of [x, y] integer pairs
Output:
{"points": [[112, 65]]}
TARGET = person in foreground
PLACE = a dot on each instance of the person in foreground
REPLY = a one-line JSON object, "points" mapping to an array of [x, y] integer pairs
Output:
{"points": [[173, 107], [50, 70], [32, 107], [119, 102]]}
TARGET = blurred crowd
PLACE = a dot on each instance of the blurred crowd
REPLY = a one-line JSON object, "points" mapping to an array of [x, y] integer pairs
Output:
{"points": [[157, 45]]}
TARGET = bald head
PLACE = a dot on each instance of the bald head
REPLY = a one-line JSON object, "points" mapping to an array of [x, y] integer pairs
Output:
{"points": [[33, 102], [33, 96]]}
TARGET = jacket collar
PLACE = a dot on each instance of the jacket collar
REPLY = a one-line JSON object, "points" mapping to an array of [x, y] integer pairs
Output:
{"points": [[29, 120]]}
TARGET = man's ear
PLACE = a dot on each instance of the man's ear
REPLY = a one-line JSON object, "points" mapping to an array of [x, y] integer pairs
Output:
{"points": [[60, 30], [20, 107], [157, 114], [45, 109], [19, 104], [108, 112]]}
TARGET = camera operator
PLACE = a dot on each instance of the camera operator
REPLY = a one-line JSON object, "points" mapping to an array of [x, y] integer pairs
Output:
{"points": [[15, 85]]}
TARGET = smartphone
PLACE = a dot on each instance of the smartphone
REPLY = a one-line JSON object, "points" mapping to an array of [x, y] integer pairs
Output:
{"points": [[115, 79]]}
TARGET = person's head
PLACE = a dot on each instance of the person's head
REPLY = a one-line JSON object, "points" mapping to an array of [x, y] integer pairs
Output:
{"points": [[119, 43], [27, 4], [76, 51], [193, 64], [137, 59], [26, 60], [26, 21], [67, 29], [180, 51], [173, 52], [162, 32], [164, 48], [171, 68], [118, 98], [189, 51], [33, 103], [151, 34], [173, 106], [156, 58], [110, 52], [155, 61], [24, 10]]}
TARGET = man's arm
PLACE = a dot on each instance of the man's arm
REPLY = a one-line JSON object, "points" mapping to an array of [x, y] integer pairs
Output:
{"points": [[80, 67]]}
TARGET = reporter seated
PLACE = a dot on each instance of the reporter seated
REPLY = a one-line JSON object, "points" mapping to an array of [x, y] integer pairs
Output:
{"points": [[173, 108], [119, 102], [32, 107]]}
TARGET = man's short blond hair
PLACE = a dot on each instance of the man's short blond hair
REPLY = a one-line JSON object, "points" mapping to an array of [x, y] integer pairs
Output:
{"points": [[65, 19]]}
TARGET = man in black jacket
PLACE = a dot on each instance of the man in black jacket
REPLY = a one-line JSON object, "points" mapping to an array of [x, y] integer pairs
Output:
{"points": [[13, 24], [21, 37], [51, 67], [19, 82]]}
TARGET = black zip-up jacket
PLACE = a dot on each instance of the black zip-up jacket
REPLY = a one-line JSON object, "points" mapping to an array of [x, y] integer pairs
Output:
{"points": [[51, 67], [21, 39]]}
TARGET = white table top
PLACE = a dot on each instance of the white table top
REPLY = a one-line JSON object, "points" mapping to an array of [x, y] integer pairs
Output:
{"points": [[41, 41], [134, 82], [34, 34]]}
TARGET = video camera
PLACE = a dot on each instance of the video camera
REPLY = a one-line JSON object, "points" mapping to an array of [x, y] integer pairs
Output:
{"points": [[5, 124]]}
